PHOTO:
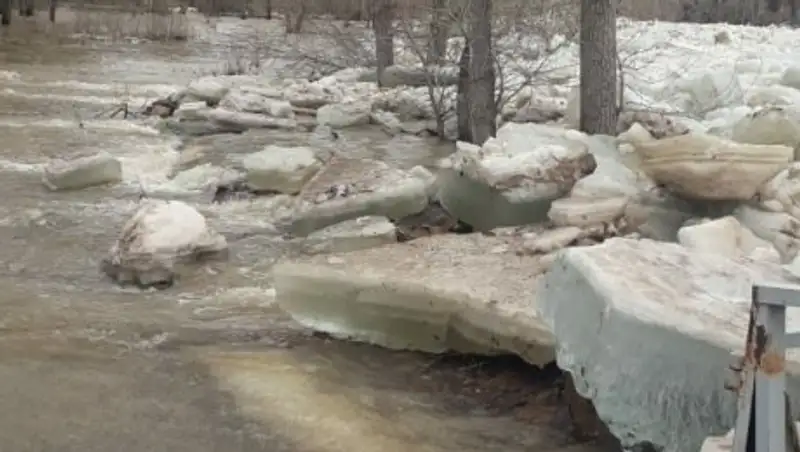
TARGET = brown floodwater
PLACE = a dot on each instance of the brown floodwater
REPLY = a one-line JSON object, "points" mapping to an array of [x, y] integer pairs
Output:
{"points": [[210, 365]]}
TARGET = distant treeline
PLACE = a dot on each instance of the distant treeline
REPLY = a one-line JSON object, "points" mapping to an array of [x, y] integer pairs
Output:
{"points": [[759, 12]]}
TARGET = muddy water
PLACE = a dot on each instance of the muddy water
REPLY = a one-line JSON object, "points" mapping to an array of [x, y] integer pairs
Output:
{"points": [[209, 365]]}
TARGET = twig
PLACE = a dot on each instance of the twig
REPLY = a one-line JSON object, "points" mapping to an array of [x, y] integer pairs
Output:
{"points": [[123, 108]]}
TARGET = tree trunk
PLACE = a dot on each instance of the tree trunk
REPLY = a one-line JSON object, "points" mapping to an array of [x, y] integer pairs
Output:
{"points": [[26, 8], [598, 60], [775, 5], [294, 19], [5, 11], [462, 98], [384, 35], [269, 9], [439, 29], [482, 108], [52, 10], [793, 10]]}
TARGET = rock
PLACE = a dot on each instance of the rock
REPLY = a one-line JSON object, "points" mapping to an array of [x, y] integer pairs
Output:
{"points": [[647, 329], [467, 293], [339, 116], [159, 241], [705, 167], [658, 125], [244, 121], [435, 219], [351, 235], [210, 90], [249, 101], [82, 172], [773, 95], [350, 188], [513, 178], [726, 237], [281, 169], [791, 77], [770, 125], [711, 90]]}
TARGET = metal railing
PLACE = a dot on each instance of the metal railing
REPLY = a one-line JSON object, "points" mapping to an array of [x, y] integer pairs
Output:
{"points": [[764, 422]]}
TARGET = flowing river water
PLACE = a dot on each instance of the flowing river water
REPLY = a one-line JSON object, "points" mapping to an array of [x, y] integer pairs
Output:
{"points": [[209, 365]]}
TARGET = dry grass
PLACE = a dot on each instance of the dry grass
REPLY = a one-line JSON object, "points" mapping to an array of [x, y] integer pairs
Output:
{"points": [[117, 24]]}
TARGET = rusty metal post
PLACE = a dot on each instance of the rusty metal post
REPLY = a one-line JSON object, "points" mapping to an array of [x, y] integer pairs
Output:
{"points": [[764, 421]]}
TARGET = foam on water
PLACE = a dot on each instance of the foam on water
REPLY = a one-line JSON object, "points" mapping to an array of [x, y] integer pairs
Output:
{"points": [[9, 75], [147, 165], [261, 211], [230, 296], [154, 90], [257, 216], [98, 100], [198, 179], [90, 124], [19, 167]]}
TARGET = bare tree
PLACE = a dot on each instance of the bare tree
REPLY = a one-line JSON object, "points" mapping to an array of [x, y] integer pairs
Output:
{"points": [[293, 21], [516, 46], [5, 11], [482, 102], [383, 13], [598, 72], [462, 98], [26, 8], [440, 31]]}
